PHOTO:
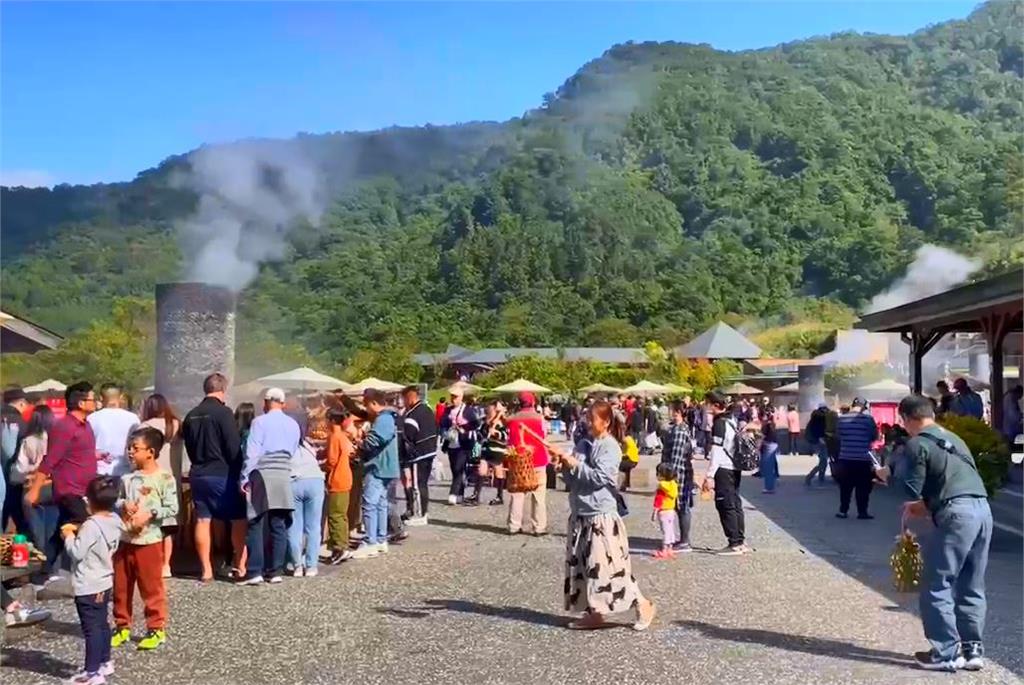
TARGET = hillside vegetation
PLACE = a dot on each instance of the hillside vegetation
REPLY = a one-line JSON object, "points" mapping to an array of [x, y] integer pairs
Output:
{"points": [[662, 187]]}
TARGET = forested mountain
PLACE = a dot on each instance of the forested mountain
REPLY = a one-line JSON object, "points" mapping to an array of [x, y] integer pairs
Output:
{"points": [[661, 187]]}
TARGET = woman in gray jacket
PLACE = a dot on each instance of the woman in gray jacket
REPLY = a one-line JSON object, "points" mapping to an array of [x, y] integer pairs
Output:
{"points": [[598, 574]]}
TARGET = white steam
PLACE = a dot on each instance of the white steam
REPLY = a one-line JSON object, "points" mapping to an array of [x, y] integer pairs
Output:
{"points": [[250, 195], [934, 270]]}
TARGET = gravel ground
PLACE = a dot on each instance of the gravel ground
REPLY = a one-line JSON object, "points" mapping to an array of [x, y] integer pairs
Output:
{"points": [[461, 601]]}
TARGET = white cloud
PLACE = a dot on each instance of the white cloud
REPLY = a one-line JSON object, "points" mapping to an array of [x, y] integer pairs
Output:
{"points": [[29, 178]]}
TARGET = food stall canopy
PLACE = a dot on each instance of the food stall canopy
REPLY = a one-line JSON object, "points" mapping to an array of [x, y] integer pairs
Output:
{"points": [[466, 388], [303, 378], [520, 385], [49, 385], [887, 389], [677, 388], [741, 389]]}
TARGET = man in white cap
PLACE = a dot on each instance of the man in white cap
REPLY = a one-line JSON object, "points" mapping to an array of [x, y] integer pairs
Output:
{"points": [[266, 481]]}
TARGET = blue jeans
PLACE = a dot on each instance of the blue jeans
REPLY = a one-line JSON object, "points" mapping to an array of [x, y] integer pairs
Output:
{"points": [[308, 494], [42, 523], [770, 470], [255, 540], [375, 508], [953, 583], [822, 464], [93, 615]]}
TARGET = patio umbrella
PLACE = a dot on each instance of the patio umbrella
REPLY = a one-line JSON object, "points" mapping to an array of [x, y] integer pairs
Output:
{"points": [[741, 389], [887, 389], [645, 388], [466, 388], [520, 385], [599, 389], [677, 388], [302, 378], [375, 384], [49, 385]]}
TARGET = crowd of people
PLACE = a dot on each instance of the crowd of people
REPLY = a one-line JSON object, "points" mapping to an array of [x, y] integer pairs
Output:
{"points": [[101, 490]]}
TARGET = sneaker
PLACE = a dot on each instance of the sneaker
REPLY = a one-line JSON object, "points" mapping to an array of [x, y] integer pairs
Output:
{"points": [[397, 538], [683, 549], [842, 515], [973, 656], [497, 501], [312, 572], [865, 517], [153, 639], [767, 492], [366, 551], [120, 637], [107, 668], [339, 557], [274, 580], [416, 521], [452, 500], [931, 661], [383, 547], [730, 551], [255, 580], [20, 616], [85, 678], [298, 572]]}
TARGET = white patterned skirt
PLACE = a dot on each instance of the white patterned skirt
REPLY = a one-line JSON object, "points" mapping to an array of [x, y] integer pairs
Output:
{"points": [[598, 575]]}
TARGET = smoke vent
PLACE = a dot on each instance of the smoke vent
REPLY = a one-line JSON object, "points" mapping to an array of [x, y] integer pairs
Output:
{"points": [[195, 337]]}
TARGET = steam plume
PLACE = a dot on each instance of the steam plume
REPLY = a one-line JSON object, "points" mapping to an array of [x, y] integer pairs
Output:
{"points": [[934, 270], [250, 194]]}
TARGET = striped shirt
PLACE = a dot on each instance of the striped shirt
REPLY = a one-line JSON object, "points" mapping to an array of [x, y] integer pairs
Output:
{"points": [[495, 443], [857, 431]]}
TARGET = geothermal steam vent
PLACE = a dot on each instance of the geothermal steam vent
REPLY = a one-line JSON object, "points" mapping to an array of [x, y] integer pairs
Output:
{"points": [[195, 337]]}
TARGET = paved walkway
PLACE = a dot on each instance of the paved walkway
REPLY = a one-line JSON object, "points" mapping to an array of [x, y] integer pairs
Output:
{"points": [[463, 602]]}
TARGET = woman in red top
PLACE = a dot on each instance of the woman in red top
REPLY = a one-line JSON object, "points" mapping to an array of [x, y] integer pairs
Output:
{"points": [[526, 429]]}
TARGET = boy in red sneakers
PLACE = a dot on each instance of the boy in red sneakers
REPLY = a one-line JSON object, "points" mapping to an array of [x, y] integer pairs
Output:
{"points": [[149, 497]]}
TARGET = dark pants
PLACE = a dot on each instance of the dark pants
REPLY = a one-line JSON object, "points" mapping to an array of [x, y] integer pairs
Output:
{"points": [[70, 509], [855, 475], [684, 511], [93, 613], [458, 458], [13, 509], [395, 524], [794, 441], [278, 520], [729, 505], [421, 471]]}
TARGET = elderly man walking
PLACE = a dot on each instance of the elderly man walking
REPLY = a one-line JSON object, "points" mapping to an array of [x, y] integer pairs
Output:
{"points": [[266, 481], [944, 480]]}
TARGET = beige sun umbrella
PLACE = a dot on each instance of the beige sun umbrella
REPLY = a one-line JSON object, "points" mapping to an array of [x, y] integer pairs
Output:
{"points": [[645, 388], [677, 388], [49, 385], [375, 384], [520, 385], [466, 388], [741, 389], [302, 378], [600, 389]]}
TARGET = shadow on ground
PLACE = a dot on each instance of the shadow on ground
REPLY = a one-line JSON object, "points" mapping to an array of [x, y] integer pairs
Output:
{"points": [[35, 661], [798, 643], [861, 549], [462, 606]]}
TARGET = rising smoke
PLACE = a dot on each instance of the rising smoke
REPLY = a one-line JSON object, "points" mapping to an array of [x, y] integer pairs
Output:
{"points": [[934, 270], [251, 194]]}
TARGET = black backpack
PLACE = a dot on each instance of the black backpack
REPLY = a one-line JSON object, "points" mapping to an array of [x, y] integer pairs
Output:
{"points": [[745, 455]]}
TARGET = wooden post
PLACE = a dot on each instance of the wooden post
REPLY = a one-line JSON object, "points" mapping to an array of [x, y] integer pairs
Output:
{"points": [[996, 326], [920, 343]]}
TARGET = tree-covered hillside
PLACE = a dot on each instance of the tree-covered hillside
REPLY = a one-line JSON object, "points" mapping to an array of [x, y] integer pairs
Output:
{"points": [[661, 187]]}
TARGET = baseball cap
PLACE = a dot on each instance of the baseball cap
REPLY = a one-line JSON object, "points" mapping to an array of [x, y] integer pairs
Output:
{"points": [[527, 399], [13, 395], [274, 395]]}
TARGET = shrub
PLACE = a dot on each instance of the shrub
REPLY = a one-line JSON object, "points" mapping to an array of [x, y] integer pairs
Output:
{"points": [[986, 444]]}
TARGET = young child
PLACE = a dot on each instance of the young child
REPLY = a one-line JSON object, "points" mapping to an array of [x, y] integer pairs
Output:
{"points": [[149, 497], [665, 510], [339, 483], [91, 549]]}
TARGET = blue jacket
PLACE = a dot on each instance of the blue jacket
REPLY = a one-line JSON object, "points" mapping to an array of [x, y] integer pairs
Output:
{"points": [[379, 451]]}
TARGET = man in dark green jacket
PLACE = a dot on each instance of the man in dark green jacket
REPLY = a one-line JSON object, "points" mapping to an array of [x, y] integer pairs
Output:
{"points": [[943, 479]]}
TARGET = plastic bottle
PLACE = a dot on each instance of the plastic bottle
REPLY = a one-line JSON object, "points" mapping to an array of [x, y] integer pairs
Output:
{"points": [[19, 552]]}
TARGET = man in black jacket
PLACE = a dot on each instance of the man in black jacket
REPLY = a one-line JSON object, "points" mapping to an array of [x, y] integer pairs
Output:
{"points": [[417, 449], [214, 450]]}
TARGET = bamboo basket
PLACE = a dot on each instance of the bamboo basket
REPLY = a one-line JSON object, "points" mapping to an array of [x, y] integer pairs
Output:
{"points": [[522, 477]]}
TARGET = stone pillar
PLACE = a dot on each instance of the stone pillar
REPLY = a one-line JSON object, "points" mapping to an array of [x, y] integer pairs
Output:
{"points": [[195, 337]]}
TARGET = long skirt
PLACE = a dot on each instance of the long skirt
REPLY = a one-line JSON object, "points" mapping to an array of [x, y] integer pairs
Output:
{"points": [[598, 574]]}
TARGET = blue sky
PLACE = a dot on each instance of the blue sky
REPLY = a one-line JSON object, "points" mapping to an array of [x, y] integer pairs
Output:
{"points": [[98, 92]]}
